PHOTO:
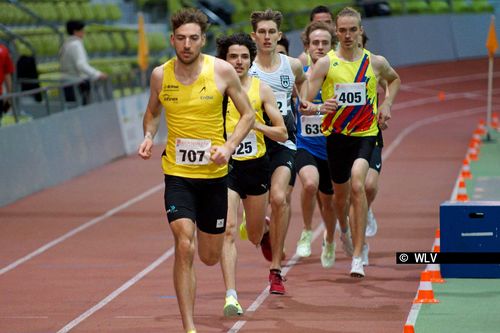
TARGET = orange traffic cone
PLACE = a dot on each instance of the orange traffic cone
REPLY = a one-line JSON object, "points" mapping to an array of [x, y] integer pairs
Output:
{"points": [[476, 140], [436, 246], [409, 329], [462, 191], [441, 96], [435, 271], [425, 293], [466, 169], [473, 151], [481, 127]]}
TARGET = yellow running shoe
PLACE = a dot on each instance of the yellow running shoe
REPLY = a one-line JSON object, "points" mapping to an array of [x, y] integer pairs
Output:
{"points": [[243, 228], [232, 307]]}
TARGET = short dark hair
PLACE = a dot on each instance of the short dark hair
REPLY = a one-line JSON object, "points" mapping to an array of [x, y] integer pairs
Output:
{"points": [[74, 25], [318, 10], [285, 42], [240, 38], [267, 15], [190, 15]]}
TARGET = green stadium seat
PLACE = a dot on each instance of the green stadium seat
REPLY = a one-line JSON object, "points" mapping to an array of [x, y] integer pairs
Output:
{"points": [[417, 6], [99, 11], [461, 6], [118, 41], [396, 7], [114, 12], [87, 12], [482, 6], [439, 6]]}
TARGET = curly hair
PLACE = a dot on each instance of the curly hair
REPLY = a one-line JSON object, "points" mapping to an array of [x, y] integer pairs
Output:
{"points": [[224, 42]]}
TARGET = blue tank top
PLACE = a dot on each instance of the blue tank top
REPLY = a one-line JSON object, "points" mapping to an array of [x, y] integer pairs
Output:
{"points": [[310, 137]]}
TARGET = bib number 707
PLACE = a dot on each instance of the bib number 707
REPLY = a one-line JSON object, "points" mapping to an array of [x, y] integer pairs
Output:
{"points": [[192, 151]]}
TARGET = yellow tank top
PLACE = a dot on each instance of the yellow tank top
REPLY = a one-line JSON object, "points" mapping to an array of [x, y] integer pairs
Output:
{"points": [[194, 121], [355, 85], [253, 146]]}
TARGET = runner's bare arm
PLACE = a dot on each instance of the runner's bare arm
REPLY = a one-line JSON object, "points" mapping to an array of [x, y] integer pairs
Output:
{"points": [[277, 131], [151, 120], [393, 82], [227, 78]]}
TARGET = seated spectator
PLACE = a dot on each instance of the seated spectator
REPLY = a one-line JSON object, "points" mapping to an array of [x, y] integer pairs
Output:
{"points": [[75, 64]]}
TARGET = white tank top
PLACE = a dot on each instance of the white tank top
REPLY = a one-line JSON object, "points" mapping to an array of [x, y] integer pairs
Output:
{"points": [[281, 82]]}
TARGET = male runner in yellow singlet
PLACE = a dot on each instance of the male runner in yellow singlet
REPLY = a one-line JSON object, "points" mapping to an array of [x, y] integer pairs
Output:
{"points": [[248, 179], [191, 87], [348, 79]]}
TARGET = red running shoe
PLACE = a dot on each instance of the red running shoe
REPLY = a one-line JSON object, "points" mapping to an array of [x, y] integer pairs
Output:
{"points": [[276, 283]]}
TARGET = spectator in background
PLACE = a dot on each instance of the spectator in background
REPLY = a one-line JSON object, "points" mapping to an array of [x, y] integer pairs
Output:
{"points": [[6, 70], [75, 64]]}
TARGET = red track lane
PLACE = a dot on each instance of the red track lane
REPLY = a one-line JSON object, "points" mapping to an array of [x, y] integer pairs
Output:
{"points": [[71, 279]]}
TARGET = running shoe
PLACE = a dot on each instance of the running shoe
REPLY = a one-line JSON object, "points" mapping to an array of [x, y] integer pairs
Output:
{"points": [[346, 239], [243, 230], [327, 254], [232, 307], [265, 244], [371, 224], [304, 244], [276, 285], [364, 254], [357, 267]]}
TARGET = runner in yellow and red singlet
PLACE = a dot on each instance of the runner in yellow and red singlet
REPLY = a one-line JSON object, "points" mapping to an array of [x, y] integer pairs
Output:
{"points": [[348, 78]]}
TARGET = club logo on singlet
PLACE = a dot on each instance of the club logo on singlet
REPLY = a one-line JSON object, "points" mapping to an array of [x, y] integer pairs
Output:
{"points": [[170, 98], [285, 81]]}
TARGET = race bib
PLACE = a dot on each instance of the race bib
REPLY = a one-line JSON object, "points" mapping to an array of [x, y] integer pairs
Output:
{"points": [[247, 147], [351, 93], [282, 102], [311, 125], [192, 151]]}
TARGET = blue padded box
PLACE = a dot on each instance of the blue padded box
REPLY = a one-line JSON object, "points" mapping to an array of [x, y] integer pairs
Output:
{"points": [[470, 227]]}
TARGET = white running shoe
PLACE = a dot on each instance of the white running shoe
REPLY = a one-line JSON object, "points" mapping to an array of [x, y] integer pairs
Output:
{"points": [[364, 254], [304, 244], [327, 253], [357, 267], [346, 239], [371, 224]]}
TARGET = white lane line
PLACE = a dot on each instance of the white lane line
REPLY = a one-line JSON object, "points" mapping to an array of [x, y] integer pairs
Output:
{"points": [[452, 79], [117, 292], [82, 227], [387, 152], [265, 293]]}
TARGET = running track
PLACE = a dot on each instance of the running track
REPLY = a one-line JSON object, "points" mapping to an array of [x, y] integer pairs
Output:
{"points": [[94, 254]]}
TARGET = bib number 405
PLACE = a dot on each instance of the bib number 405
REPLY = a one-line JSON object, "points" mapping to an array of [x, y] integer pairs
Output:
{"points": [[350, 98]]}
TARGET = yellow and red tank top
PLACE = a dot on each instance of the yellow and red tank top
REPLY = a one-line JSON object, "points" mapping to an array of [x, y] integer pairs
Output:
{"points": [[195, 123], [253, 145], [355, 86]]}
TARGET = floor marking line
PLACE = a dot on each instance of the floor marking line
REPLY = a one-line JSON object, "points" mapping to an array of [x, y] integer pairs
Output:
{"points": [[118, 291], [82, 227]]}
